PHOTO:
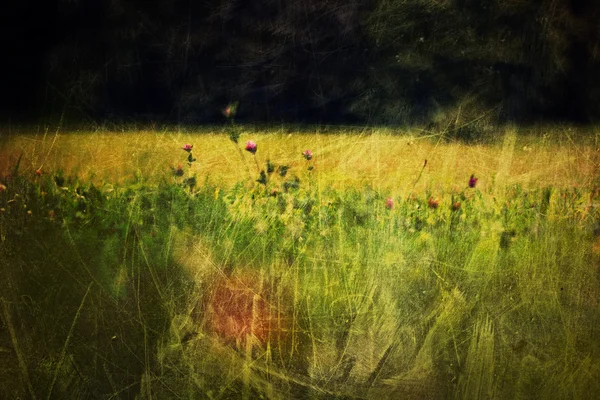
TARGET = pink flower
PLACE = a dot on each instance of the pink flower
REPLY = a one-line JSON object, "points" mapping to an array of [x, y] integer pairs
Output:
{"points": [[307, 154], [230, 110], [187, 147], [389, 203], [251, 147], [472, 181]]}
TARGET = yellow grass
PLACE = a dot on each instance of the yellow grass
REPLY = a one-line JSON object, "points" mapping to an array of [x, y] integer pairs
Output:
{"points": [[383, 160]]}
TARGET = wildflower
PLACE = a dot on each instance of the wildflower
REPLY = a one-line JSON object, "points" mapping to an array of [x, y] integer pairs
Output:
{"points": [[307, 154], [251, 147], [472, 181], [2, 188], [456, 206], [433, 203], [389, 203], [187, 147], [38, 172], [179, 170], [230, 110]]}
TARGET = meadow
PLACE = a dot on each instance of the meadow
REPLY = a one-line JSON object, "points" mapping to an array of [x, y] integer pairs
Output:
{"points": [[382, 264]]}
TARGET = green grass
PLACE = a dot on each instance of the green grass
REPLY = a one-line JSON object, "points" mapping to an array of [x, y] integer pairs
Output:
{"points": [[143, 286]]}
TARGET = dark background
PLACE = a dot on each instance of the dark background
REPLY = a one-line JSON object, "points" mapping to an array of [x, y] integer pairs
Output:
{"points": [[326, 61]]}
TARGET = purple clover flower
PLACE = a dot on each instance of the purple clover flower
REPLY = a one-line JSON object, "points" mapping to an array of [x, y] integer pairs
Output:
{"points": [[251, 147], [472, 181]]}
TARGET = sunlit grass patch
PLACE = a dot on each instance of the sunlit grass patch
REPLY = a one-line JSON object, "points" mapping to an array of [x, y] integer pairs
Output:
{"points": [[383, 159]]}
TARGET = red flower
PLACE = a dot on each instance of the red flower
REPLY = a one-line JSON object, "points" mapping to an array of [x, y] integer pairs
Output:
{"points": [[472, 181], [38, 172], [307, 154], [433, 203], [251, 147], [187, 147]]}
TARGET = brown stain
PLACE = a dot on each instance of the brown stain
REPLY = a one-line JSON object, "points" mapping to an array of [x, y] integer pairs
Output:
{"points": [[242, 305]]}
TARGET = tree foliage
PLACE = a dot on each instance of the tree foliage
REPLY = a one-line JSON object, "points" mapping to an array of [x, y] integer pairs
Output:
{"points": [[379, 61]]}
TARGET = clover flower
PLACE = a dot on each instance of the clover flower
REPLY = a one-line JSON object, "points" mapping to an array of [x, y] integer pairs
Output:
{"points": [[307, 154], [472, 181], [187, 147], [251, 147], [389, 203]]}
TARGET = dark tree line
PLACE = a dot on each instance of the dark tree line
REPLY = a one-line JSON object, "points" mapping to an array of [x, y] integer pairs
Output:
{"points": [[368, 61]]}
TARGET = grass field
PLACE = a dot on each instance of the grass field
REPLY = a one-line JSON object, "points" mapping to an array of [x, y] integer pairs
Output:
{"points": [[392, 265]]}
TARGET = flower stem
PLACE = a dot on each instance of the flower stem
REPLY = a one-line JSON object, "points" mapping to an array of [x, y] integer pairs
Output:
{"points": [[416, 181]]}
